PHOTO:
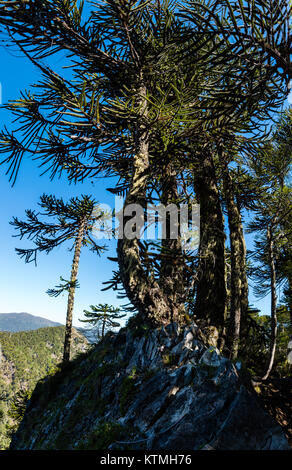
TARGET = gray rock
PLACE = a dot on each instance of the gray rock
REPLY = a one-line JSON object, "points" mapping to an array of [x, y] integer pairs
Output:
{"points": [[188, 340], [211, 357], [167, 390]]}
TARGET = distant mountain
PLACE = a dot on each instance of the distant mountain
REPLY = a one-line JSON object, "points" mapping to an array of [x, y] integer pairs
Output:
{"points": [[89, 334], [14, 322]]}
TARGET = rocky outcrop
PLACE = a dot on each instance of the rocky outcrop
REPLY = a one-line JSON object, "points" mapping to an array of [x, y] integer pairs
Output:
{"points": [[148, 389]]}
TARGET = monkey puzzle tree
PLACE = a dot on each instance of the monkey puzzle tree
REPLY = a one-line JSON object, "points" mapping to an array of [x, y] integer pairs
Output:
{"points": [[148, 100], [249, 48], [118, 115], [238, 281], [251, 38], [103, 317], [282, 168], [60, 223], [272, 212], [272, 220]]}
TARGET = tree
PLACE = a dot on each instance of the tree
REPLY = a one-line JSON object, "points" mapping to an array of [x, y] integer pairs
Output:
{"points": [[273, 213], [63, 222], [239, 192], [251, 38], [102, 317], [238, 282], [17, 407], [282, 165], [150, 100], [267, 223], [114, 111], [211, 291]]}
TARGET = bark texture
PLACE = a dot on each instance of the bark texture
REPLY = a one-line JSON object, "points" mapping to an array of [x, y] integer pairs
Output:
{"points": [[210, 304], [142, 290], [172, 270], [71, 295], [238, 282]]}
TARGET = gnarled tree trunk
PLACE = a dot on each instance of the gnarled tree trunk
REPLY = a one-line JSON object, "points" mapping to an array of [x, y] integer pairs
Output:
{"points": [[143, 291]]}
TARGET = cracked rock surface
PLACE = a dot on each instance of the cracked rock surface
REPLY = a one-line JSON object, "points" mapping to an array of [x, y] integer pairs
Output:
{"points": [[160, 390]]}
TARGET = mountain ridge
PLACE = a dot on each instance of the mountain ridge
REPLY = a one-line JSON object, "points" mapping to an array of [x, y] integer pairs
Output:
{"points": [[23, 321], [15, 322]]}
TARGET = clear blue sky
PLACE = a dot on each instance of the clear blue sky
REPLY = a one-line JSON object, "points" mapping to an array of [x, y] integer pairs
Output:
{"points": [[23, 286]]}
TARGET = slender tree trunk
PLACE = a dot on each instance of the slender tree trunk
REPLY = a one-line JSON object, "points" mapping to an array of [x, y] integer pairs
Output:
{"points": [[290, 298], [244, 290], [274, 325], [144, 292], [238, 283], [289, 294], [71, 295], [103, 326], [210, 304]]}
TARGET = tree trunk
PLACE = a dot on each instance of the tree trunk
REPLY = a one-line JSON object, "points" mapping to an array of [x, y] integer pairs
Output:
{"points": [[289, 294], [172, 272], [144, 292], [210, 303], [71, 295], [244, 291], [103, 326], [274, 325], [238, 283]]}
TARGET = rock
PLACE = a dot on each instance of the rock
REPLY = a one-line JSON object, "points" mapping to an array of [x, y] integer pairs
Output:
{"points": [[211, 357], [188, 340], [163, 391], [173, 329]]}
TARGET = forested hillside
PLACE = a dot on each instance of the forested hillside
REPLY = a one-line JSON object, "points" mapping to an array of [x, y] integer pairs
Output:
{"points": [[26, 357]]}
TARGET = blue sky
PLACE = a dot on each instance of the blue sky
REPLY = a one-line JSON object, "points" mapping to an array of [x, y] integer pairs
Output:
{"points": [[23, 286]]}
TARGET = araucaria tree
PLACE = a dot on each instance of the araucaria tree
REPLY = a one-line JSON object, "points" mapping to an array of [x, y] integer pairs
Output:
{"points": [[169, 97], [103, 318], [61, 223], [272, 223]]}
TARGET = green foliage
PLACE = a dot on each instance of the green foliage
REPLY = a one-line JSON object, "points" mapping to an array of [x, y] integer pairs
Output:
{"points": [[258, 341], [142, 77], [128, 390], [18, 405], [64, 286], [271, 169], [247, 37], [28, 357], [33, 353], [102, 318], [58, 224], [106, 434]]}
